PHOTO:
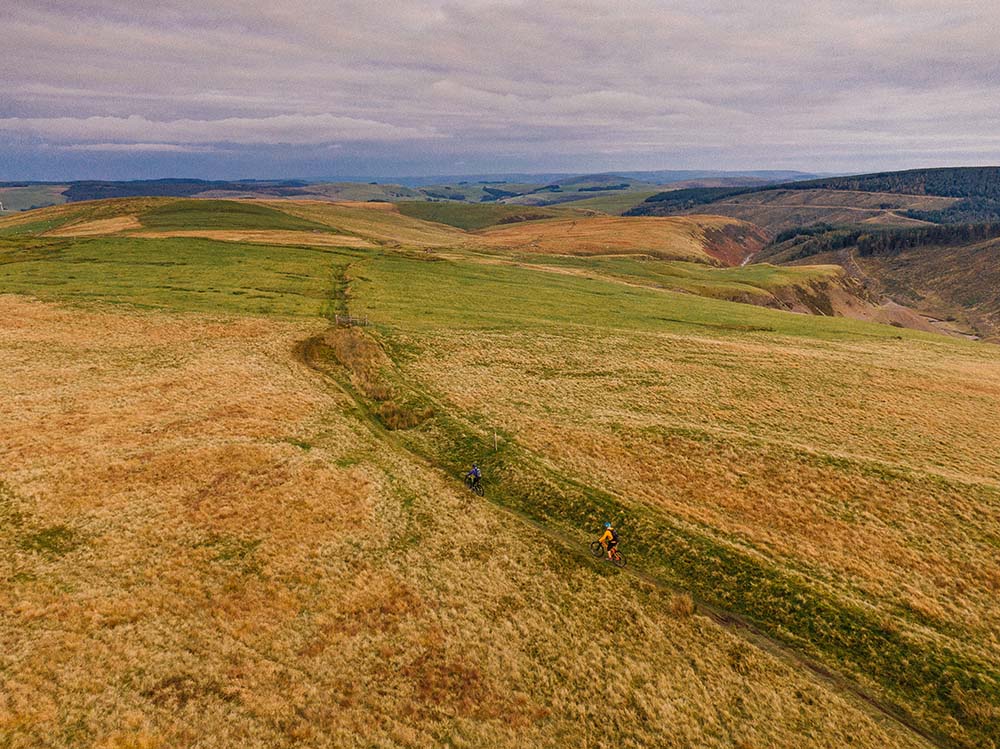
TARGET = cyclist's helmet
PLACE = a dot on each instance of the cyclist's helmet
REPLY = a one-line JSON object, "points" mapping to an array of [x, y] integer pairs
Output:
{"points": [[607, 525]]}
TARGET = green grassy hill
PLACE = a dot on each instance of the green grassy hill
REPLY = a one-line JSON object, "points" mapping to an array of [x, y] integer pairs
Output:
{"points": [[473, 216], [218, 214], [227, 503], [615, 203], [625, 250]]}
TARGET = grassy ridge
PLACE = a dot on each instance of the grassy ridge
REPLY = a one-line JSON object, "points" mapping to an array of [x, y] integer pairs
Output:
{"points": [[184, 274], [472, 217], [223, 214], [425, 293], [757, 283], [581, 375]]}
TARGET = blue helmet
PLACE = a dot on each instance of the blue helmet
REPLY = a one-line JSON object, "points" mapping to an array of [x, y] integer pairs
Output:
{"points": [[607, 525]]}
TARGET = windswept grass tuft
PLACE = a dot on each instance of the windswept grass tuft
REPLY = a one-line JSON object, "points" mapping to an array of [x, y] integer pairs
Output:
{"points": [[681, 605]]}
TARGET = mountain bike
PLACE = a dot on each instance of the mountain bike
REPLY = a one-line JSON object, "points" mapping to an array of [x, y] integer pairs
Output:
{"points": [[476, 487], [617, 558]]}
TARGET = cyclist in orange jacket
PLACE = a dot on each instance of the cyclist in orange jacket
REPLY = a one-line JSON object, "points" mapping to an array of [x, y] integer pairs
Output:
{"points": [[610, 539]]}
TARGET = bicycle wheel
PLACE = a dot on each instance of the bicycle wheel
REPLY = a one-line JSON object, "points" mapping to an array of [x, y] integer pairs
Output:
{"points": [[618, 559], [597, 549], [478, 489]]}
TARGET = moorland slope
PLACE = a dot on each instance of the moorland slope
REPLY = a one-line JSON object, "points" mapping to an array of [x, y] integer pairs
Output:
{"points": [[930, 266], [950, 273], [216, 504], [974, 194], [688, 253], [778, 210]]}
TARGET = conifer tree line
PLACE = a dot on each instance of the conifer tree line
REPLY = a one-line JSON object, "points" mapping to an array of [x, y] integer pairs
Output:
{"points": [[978, 190], [814, 240]]}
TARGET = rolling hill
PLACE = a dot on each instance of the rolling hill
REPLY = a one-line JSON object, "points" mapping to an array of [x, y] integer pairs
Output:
{"points": [[619, 191], [25, 198], [974, 194], [689, 254], [779, 210], [948, 283], [216, 503], [703, 238], [476, 216], [949, 273]]}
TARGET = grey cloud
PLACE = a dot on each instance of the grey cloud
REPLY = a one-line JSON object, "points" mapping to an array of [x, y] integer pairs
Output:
{"points": [[293, 129], [657, 83], [137, 148]]}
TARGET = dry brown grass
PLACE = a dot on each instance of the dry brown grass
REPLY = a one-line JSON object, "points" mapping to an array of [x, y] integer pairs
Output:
{"points": [[370, 372], [885, 488], [681, 605], [83, 212], [255, 568], [386, 226], [264, 236], [368, 205], [669, 238], [98, 227]]}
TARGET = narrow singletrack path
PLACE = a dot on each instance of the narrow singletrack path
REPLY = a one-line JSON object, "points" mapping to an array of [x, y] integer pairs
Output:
{"points": [[880, 710]]}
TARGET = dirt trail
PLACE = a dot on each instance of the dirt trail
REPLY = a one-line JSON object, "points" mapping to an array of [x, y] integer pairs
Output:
{"points": [[308, 352], [896, 311]]}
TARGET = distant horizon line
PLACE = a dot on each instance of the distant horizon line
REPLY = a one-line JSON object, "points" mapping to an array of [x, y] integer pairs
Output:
{"points": [[480, 176], [458, 175]]}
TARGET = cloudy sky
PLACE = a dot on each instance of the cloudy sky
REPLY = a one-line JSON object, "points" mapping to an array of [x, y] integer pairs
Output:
{"points": [[325, 88]]}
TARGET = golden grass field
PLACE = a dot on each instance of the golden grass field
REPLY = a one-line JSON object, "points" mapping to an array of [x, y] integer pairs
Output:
{"points": [[735, 440], [204, 546], [665, 238], [224, 522], [261, 237]]}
